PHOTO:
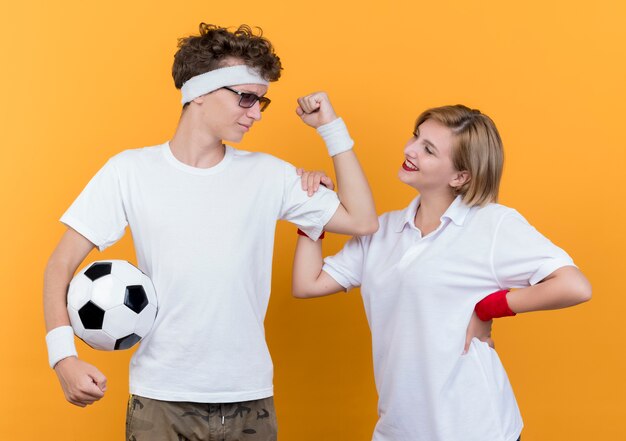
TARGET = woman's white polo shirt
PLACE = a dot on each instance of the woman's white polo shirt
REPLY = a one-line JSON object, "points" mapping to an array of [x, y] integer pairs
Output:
{"points": [[419, 294]]}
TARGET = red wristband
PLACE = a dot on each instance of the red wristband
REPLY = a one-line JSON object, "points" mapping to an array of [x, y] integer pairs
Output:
{"points": [[302, 233], [493, 306]]}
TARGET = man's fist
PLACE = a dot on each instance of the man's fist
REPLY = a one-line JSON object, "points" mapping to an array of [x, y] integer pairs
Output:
{"points": [[315, 109], [82, 383]]}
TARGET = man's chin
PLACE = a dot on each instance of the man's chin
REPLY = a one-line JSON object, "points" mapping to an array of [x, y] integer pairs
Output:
{"points": [[233, 138]]}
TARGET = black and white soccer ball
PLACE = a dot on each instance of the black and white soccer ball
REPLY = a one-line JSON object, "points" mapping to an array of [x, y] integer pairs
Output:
{"points": [[112, 304]]}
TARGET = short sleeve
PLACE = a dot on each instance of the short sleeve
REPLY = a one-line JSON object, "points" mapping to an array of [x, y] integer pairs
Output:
{"points": [[521, 256], [310, 214], [98, 212], [346, 267]]}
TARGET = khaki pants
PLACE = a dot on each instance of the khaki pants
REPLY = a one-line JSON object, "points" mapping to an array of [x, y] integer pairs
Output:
{"points": [[155, 420]]}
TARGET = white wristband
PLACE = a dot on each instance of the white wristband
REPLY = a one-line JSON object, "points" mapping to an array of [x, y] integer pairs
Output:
{"points": [[336, 137], [60, 343]]}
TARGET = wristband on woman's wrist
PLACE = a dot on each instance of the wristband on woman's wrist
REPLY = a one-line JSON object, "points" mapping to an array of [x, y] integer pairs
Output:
{"points": [[493, 306], [60, 342], [336, 137], [302, 233]]}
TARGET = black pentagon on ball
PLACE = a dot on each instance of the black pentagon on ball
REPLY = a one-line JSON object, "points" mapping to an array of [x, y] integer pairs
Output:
{"points": [[98, 270], [135, 298], [127, 342], [91, 315]]}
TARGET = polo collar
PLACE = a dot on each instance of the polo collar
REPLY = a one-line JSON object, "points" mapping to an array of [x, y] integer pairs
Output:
{"points": [[456, 212]]}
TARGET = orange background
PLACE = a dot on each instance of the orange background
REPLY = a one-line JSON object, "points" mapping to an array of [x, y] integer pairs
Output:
{"points": [[82, 81]]}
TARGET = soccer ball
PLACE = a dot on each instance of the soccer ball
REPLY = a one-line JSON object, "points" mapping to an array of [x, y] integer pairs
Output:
{"points": [[112, 305]]}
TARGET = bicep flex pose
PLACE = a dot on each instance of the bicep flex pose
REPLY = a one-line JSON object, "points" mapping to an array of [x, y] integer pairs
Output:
{"points": [[203, 216]]}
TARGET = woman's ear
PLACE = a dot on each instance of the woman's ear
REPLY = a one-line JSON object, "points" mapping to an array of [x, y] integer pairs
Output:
{"points": [[460, 179]]}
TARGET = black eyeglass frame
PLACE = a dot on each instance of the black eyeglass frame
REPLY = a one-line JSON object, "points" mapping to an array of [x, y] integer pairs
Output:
{"points": [[263, 101]]}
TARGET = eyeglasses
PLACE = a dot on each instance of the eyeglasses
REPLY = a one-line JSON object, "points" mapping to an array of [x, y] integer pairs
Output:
{"points": [[247, 100]]}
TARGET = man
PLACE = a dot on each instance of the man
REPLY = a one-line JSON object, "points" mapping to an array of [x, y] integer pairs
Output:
{"points": [[203, 216]]}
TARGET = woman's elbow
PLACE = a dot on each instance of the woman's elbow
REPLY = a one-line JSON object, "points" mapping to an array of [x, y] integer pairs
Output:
{"points": [[299, 292], [368, 228]]}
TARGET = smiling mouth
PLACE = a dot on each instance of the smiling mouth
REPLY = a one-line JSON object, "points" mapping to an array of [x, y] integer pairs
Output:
{"points": [[409, 166], [245, 126]]}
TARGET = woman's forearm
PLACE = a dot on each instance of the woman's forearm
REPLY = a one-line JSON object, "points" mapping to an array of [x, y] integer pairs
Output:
{"points": [[563, 288], [308, 278]]}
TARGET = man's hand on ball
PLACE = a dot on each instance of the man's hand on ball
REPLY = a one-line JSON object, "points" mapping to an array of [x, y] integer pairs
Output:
{"points": [[311, 181], [82, 383], [315, 109]]}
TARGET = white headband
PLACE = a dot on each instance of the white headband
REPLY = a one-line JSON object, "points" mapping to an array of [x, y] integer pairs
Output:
{"points": [[218, 78]]}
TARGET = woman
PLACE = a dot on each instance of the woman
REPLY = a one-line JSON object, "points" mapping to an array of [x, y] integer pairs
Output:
{"points": [[425, 277]]}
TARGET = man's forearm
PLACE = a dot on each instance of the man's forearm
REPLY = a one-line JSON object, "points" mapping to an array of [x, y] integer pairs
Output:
{"points": [[56, 279], [67, 256], [357, 213], [355, 193]]}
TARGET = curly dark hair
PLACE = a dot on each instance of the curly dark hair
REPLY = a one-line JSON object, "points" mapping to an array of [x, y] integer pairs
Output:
{"points": [[202, 53]]}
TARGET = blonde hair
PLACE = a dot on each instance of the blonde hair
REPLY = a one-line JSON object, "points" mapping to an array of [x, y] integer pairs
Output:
{"points": [[477, 150]]}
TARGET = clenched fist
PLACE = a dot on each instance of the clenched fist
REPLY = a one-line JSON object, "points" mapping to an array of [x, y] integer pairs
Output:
{"points": [[315, 109]]}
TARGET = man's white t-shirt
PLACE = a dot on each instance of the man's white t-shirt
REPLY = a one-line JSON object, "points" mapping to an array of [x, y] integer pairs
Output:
{"points": [[205, 237], [419, 294]]}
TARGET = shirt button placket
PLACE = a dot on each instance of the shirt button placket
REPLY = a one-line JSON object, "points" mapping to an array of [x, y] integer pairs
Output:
{"points": [[413, 253]]}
